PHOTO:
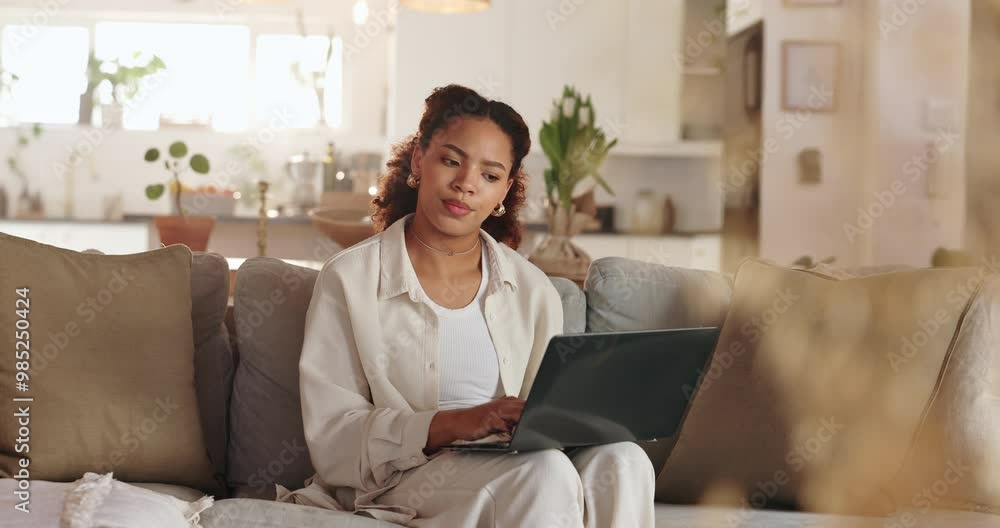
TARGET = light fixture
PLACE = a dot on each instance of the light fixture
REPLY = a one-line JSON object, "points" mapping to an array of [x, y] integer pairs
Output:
{"points": [[447, 6], [360, 12]]}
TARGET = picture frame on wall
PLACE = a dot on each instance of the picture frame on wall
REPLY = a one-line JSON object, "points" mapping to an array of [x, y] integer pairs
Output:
{"points": [[810, 75], [811, 3]]}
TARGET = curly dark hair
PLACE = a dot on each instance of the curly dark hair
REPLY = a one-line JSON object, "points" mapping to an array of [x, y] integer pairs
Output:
{"points": [[396, 199]]}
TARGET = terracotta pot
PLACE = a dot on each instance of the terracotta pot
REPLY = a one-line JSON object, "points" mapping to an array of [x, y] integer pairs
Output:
{"points": [[192, 231]]}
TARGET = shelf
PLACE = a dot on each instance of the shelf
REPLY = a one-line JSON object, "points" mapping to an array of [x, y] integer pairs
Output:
{"points": [[679, 149]]}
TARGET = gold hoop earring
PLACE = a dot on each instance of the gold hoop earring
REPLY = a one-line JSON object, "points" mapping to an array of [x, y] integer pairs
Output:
{"points": [[413, 181], [499, 211]]}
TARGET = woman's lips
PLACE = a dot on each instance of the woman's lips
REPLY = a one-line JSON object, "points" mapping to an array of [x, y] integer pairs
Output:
{"points": [[456, 208]]}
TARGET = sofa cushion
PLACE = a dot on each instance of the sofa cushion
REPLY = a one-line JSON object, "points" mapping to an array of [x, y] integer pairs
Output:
{"points": [[254, 513], [213, 358], [266, 441], [112, 365], [574, 305], [624, 294], [815, 389], [672, 515]]}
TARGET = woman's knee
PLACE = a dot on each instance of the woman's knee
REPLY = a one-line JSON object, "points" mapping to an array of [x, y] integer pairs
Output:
{"points": [[602, 466], [548, 474]]}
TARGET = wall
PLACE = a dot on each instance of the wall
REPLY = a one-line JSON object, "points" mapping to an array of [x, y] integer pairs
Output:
{"points": [[916, 70], [982, 154], [872, 146], [796, 219]]}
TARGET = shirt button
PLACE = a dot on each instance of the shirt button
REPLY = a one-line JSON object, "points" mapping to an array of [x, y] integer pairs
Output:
{"points": [[506, 361]]}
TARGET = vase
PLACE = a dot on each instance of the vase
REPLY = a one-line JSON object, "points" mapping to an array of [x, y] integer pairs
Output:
{"points": [[557, 255], [192, 231]]}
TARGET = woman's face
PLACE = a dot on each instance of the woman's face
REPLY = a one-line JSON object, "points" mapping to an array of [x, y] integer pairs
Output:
{"points": [[464, 174]]}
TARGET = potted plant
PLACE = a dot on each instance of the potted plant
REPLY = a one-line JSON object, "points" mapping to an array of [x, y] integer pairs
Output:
{"points": [[182, 227], [124, 81], [576, 148]]}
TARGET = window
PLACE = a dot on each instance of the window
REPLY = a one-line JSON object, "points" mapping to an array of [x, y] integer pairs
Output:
{"points": [[50, 63], [208, 78], [205, 80], [293, 73]]}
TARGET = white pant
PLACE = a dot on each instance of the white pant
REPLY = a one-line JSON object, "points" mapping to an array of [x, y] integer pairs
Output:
{"points": [[596, 487]]}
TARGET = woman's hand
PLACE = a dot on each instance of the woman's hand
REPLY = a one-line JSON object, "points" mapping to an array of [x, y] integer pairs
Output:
{"points": [[496, 416]]}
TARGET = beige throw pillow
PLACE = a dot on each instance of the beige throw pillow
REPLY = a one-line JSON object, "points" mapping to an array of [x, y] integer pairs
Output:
{"points": [[818, 387], [111, 377]]}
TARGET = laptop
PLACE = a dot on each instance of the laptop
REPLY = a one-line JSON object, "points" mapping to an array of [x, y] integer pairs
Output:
{"points": [[605, 387]]}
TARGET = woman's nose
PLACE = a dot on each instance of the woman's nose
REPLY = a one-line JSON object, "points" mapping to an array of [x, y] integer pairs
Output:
{"points": [[464, 182]]}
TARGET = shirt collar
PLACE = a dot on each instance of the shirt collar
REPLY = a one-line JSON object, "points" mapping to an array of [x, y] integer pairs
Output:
{"points": [[397, 274]]}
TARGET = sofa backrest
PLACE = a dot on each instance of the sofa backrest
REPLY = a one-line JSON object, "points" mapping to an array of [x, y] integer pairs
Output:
{"points": [[624, 294], [266, 439], [213, 357]]}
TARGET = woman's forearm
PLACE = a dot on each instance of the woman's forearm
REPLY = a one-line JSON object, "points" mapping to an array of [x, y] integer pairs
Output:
{"points": [[441, 431]]}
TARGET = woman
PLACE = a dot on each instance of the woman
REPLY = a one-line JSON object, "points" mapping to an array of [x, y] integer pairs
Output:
{"points": [[431, 332]]}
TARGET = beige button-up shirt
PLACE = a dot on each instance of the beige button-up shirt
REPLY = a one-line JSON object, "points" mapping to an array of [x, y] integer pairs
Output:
{"points": [[369, 365]]}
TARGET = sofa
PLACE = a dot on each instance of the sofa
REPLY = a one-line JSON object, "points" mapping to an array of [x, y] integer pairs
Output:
{"points": [[246, 376]]}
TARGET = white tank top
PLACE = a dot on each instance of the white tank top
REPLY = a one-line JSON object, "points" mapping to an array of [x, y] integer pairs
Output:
{"points": [[469, 371]]}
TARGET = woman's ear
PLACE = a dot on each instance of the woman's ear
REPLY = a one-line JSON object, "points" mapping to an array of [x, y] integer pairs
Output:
{"points": [[416, 159]]}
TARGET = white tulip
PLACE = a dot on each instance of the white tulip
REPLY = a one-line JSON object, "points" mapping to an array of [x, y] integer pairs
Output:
{"points": [[555, 113], [568, 107], [585, 116]]}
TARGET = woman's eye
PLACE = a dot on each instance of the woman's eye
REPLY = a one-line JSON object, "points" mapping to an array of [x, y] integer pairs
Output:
{"points": [[491, 177], [449, 162]]}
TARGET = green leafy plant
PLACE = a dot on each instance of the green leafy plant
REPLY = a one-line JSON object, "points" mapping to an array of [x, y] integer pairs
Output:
{"points": [[24, 137], [179, 163], [125, 80], [7, 81], [575, 146]]}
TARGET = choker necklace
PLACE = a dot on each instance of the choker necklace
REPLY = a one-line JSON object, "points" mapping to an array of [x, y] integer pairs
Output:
{"points": [[449, 253]]}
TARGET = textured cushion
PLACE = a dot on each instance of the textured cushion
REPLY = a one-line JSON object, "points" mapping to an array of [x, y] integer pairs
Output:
{"points": [[574, 305], [813, 396], [670, 516], [213, 358], [266, 440], [112, 365], [624, 294], [253, 513]]}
